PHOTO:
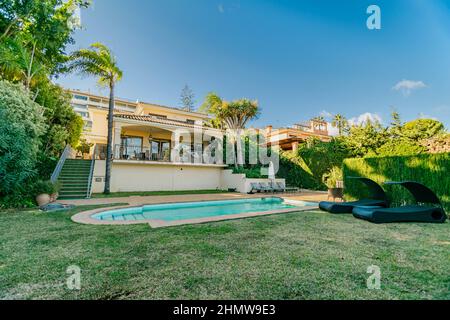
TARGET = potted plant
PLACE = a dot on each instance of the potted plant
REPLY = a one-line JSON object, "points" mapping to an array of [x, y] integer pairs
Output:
{"points": [[84, 148], [331, 180], [46, 192], [55, 192]]}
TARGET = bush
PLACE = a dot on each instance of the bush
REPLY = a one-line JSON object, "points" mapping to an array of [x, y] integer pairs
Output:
{"points": [[21, 126], [432, 170], [45, 187], [331, 178], [251, 173], [314, 159]]}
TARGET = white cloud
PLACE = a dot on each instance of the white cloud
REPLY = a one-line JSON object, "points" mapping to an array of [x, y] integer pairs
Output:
{"points": [[408, 86], [361, 119], [327, 115]]}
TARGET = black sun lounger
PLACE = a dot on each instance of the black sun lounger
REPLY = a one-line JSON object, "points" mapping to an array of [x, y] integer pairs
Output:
{"points": [[412, 213], [378, 199]]}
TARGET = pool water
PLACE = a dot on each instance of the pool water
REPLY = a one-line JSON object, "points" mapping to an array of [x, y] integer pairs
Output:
{"points": [[197, 210]]}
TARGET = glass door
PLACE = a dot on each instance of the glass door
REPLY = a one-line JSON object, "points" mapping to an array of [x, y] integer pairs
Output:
{"points": [[160, 150]]}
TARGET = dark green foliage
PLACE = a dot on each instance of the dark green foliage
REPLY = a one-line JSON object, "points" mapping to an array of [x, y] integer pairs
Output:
{"points": [[314, 158], [45, 187], [432, 170], [21, 128]]}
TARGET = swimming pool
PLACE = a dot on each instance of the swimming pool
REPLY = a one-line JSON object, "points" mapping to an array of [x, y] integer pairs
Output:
{"points": [[190, 212]]}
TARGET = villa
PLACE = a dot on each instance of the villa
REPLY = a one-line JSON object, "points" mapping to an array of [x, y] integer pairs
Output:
{"points": [[288, 139], [144, 155]]}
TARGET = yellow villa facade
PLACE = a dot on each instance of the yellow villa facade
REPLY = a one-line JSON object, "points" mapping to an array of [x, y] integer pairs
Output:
{"points": [[138, 126], [146, 156]]}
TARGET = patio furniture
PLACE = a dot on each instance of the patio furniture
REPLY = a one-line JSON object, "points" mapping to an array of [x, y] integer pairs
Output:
{"points": [[277, 187], [255, 187], [378, 198], [412, 213], [281, 187], [265, 187]]}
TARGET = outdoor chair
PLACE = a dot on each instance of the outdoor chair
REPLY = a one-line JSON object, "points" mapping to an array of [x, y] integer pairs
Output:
{"points": [[255, 187], [428, 208], [377, 198], [265, 187]]}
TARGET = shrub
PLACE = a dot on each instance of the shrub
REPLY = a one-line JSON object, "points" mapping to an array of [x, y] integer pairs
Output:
{"points": [[251, 173], [331, 178], [315, 158], [432, 170], [45, 187], [21, 126]]}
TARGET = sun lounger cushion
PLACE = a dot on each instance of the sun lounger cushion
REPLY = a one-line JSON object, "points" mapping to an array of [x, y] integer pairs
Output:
{"points": [[414, 213], [347, 207]]}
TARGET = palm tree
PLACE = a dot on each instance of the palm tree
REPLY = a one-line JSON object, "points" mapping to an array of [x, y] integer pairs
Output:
{"points": [[99, 61], [18, 61], [232, 115], [340, 122]]}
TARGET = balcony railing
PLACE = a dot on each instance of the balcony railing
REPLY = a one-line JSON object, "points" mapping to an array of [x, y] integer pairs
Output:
{"points": [[137, 153]]}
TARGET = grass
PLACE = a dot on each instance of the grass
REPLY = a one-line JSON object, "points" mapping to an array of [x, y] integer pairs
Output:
{"points": [[309, 255], [155, 193]]}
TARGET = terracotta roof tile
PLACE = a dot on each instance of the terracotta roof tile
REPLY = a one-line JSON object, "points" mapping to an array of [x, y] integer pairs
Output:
{"points": [[152, 119]]}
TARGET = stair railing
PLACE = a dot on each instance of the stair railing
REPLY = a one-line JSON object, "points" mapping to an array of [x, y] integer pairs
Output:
{"points": [[91, 174], [66, 153]]}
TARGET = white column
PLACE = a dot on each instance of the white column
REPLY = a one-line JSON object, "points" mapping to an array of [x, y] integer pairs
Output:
{"points": [[117, 139]]}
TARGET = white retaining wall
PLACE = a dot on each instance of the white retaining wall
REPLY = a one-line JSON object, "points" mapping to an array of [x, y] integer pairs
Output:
{"points": [[129, 176]]}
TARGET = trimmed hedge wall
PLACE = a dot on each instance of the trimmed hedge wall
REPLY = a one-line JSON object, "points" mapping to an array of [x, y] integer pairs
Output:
{"points": [[432, 170]]}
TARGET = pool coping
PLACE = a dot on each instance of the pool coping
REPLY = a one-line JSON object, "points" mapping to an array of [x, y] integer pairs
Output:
{"points": [[87, 219]]}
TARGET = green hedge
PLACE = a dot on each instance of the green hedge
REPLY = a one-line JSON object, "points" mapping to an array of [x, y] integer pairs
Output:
{"points": [[432, 170]]}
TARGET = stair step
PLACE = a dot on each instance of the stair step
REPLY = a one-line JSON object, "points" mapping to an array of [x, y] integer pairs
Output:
{"points": [[69, 184], [72, 193], [80, 197], [70, 189]]}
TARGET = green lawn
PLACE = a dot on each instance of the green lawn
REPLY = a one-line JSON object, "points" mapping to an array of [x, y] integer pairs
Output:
{"points": [[292, 256], [155, 193]]}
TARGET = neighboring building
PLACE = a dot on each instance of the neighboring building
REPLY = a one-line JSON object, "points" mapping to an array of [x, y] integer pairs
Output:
{"points": [[288, 139]]}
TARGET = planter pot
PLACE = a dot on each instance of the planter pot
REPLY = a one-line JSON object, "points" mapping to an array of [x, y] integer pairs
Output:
{"points": [[336, 193], [43, 199], [54, 197]]}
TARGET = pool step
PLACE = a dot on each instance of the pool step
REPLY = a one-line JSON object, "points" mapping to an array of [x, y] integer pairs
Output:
{"points": [[74, 179]]}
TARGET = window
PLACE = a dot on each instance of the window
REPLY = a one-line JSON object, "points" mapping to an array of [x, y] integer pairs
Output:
{"points": [[87, 125], [160, 150], [190, 121], [78, 97], [83, 114], [130, 147]]}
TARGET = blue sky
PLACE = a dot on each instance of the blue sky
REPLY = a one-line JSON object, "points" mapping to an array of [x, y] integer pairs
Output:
{"points": [[299, 59]]}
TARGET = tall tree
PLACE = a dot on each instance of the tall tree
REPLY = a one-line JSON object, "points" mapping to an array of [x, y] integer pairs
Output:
{"points": [[340, 122], [187, 98], [47, 22], [99, 61], [19, 62], [232, 115], [211, 106]]}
